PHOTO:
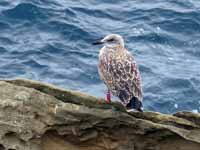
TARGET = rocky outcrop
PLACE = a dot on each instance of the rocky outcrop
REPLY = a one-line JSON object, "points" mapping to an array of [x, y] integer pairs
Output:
{"points": [[37, 116]]}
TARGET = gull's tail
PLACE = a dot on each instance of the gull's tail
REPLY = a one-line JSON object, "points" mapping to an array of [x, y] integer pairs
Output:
{"points": [[135, 104]]}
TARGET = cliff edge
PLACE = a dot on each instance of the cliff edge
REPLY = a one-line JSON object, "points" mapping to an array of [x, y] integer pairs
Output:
{"points": [[37, 116]]}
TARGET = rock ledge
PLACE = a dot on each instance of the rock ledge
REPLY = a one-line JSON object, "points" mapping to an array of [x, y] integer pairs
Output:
{"points": [[37, 116]]}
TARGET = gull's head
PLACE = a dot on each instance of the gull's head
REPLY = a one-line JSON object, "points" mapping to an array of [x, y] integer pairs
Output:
{"points": [[111, 40]]}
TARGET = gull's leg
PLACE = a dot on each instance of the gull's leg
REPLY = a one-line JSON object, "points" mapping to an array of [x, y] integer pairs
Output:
{"points": [[108, 96]]}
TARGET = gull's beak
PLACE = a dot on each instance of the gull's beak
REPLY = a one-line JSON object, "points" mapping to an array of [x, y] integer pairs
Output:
{"points": [[97, 42]]}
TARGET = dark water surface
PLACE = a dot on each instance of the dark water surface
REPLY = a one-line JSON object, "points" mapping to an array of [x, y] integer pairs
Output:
{"points": [[50, 41]]}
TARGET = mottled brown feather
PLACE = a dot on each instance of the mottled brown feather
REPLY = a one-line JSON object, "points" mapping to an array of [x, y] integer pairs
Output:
{"points": [[118, 70]]}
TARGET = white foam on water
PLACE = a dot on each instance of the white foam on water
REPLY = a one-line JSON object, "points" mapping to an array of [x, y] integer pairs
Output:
{"points": [[195, 111], [176, 106]]}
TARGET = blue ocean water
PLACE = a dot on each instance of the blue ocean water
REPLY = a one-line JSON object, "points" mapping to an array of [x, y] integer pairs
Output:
{"points": [[50, 41]]}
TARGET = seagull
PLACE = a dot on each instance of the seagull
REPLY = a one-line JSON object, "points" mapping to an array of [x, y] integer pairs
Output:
{"points": [[118, 70]]}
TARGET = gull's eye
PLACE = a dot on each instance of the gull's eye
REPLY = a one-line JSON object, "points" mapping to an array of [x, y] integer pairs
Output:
{"points": [[110, 40]]}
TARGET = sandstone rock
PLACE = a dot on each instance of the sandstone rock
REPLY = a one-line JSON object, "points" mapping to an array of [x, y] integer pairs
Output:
{"points": [[37, 116]]}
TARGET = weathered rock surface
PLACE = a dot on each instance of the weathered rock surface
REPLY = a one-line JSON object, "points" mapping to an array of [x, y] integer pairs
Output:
{"points": [[36, 116]]}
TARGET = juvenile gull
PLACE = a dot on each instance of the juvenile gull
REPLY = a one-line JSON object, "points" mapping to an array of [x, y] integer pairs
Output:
{"points": [[118, 70]]}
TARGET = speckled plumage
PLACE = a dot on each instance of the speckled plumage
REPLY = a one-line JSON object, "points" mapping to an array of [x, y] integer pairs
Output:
{"points": [[118, 69]]}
